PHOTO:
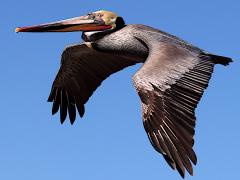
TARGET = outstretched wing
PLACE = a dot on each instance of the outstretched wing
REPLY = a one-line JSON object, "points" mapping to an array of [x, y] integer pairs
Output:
{"points": [[82, 71], [170, 85]]}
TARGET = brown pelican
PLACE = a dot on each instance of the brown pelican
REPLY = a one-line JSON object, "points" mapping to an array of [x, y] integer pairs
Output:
{"points": [[170, 82]]}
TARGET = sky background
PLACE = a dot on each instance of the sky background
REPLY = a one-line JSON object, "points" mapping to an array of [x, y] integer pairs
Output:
{"points": [[109, 142]]}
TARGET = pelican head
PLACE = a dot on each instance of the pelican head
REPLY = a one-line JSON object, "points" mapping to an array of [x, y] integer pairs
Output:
{"points": [[96, 21]]}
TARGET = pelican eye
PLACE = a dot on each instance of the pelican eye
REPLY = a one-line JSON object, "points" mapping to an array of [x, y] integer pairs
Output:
{"points": [[91, 16], [99, 15]]}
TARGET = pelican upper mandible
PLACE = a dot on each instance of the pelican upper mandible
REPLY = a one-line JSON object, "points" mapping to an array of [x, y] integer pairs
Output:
{"points": [[170, 82]]}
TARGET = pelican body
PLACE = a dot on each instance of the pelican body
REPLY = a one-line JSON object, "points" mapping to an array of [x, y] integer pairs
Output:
{"points": [[170, 82]]}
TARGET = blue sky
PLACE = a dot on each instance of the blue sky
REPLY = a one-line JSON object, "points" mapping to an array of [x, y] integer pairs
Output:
{"points": [[110, 142]]}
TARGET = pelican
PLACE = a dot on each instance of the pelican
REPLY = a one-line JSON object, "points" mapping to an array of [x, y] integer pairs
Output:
{"points": [[170, 82]]}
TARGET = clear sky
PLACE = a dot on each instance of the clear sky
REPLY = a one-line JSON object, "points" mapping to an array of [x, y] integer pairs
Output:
{"points": [[109, 142]]}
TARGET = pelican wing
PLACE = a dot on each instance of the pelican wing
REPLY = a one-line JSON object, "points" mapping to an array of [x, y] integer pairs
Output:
{"points": [[82, 71], [170, 85]]}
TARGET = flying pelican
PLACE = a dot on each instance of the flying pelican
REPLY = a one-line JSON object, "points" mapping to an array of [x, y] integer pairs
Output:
{"points": [[170, 82]]}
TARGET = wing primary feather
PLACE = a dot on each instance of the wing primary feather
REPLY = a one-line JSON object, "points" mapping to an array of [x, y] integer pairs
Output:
{"points": [[154, 139], [81, 109], [183, 140], [52, 95], [56, 102], [63, 106], [174, 152], [188, 137], [82, 71], [154, 126], [170, 162], [179, 147], [179, 121], [71, 108], [158, 142]]}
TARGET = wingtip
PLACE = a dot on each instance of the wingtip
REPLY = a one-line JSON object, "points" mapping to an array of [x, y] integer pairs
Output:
{"points": [[181, 171], [49, 100], [81, 109], [182, 174], [62, 121], [191, 173], [227, 61], [81, 115], [55, 108], [194, 158], [72, 121], [221, 59]]}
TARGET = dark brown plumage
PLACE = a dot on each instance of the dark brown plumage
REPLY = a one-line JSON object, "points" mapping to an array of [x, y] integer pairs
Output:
{"points": [[82, 71], [170, 83]]}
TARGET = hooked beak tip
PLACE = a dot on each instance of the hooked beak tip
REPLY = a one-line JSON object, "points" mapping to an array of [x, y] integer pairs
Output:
{"points": [[17, 30]]}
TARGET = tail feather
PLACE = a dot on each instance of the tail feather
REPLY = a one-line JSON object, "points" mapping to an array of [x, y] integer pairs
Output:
{"points": [[220, 59]]}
